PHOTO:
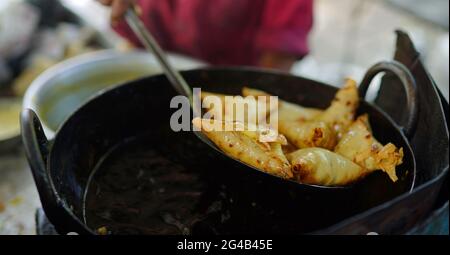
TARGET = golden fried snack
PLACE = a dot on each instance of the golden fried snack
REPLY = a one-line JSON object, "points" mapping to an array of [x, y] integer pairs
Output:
{"points": [[305, 134], [250, 108], [205, 94], [318, 166], [289, 111], [246, 91], [360, 146], [286, 111], [341, 112], [295, 122], [323, 167], [246, 147]]}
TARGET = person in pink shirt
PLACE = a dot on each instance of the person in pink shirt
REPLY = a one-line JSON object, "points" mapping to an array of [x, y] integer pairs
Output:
{"points": [[265, 33]]}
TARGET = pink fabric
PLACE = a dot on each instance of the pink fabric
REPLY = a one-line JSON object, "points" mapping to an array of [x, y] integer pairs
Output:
{"points": [[227, 32]]}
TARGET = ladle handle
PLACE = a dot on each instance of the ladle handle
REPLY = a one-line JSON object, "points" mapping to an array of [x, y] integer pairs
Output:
{"points": [[152, 45], [175, 78]]}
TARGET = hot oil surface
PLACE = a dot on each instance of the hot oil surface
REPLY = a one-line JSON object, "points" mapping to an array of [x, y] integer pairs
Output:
{"points": [[141, 188]]}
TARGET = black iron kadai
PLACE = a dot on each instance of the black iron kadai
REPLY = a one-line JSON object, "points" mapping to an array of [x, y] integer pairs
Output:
{"points": [[212, 195]]}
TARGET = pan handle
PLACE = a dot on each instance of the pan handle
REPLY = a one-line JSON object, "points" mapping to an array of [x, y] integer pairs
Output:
{"points": [[37, 151], [409, 84]]}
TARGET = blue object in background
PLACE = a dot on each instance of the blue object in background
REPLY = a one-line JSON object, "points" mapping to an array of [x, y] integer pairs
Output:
{"points": [[436, 224]]}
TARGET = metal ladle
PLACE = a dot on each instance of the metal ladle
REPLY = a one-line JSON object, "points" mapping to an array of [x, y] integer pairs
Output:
{"points": [[175, 78]]}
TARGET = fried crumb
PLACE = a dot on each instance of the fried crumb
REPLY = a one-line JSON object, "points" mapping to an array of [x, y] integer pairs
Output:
{"points": [[102, 231], [2, 207]]}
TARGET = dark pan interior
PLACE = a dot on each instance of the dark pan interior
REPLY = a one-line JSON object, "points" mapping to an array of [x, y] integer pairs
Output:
{"points": [[231, 198]]}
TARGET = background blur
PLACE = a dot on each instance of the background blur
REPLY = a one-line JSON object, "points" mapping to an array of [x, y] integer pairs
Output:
{"points": [[351, 35], [348, 37]]}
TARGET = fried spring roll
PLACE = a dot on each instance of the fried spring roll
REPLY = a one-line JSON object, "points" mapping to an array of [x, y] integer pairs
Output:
{"points": [[251, 108], [246, 147], [295, 122], [323, 167], [360, 146], [305, 134], [286, 111], [341, 112]]}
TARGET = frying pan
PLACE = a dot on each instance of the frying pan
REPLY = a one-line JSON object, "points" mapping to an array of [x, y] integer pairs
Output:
{"points": [[245, 200]]}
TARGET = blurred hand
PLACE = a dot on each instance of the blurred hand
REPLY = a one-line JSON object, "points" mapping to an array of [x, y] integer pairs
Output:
{"points": [[118, 8]]}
